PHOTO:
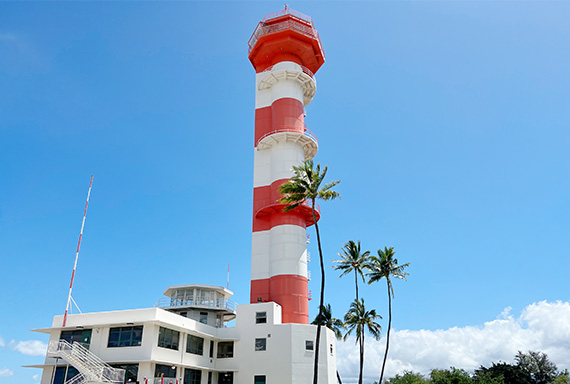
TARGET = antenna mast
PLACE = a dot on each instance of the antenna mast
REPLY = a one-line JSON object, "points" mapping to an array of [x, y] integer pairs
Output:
{"points": [[228, 279], [77, 254]]}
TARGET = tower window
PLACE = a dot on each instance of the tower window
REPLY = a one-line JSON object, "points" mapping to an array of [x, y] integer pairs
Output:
{"points": [[260, 317], [259, 379], [309, 345], [261, 344], [204, 317]]}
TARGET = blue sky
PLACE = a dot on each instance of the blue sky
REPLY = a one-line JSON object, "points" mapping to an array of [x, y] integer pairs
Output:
{"points": [[447, 122]]}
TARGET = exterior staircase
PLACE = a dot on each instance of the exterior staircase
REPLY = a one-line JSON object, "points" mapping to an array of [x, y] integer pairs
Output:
{"points": [[91, 368]]}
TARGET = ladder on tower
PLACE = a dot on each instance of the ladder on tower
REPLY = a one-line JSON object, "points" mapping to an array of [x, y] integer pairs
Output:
{"points": [[91, 368]]}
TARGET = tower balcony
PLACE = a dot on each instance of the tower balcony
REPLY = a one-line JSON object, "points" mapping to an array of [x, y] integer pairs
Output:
{"points": [[306, 138], [272, 206], [290, 72], [286, 35]]}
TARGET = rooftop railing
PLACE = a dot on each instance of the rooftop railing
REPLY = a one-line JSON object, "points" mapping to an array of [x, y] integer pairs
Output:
{"points": [[166, 302]]}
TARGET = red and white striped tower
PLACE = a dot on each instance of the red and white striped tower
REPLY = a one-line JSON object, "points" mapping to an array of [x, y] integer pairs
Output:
{"points": [[285, 51]]}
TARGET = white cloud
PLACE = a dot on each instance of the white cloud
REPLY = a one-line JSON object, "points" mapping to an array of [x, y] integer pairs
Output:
{"points": [[2, 343], [543, 326], [6, 372], [30, 347], [36, 377]]}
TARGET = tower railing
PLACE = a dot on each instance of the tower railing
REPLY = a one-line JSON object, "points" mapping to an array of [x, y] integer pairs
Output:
{"points": [[294, 25], [305, 70], [311, 135]]}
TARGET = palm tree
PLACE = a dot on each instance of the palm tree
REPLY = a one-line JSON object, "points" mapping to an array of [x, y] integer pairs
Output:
{"points": [[352, 260], [358, 319], [330, 322], [386, 266], [333, 324], [305, 187]]}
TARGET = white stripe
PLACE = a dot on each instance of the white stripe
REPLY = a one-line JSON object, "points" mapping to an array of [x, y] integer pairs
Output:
{"points": [[276, 163], [282, 250], [281, 89]]}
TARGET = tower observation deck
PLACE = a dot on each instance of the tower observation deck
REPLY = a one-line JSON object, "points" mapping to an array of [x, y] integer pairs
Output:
{"points": [[286, 52]]}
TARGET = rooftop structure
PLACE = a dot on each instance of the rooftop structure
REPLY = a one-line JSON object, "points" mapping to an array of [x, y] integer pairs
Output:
{"points": [[190, 300]]}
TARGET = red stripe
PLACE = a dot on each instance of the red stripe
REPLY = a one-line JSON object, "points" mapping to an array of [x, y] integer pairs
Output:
{"points": [[79, 242], [72, 276], [267, 194], [284, 114], [289, 291]]}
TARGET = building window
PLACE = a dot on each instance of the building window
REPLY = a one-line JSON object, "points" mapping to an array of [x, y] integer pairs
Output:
{"points": [[225, 349], [82, 336], [161, 370], [131, 371], [195, 345], [225, 378], [259, 379], [192, 376], [331, 349], [125, 337], [209, 377], [62, 374], [204, 317], [168, 338], [211, 348], [260, 344], [261, 317], [309, 345]]}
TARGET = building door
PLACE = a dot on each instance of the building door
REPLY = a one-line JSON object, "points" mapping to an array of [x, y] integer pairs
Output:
{"points": [[225, 378]]}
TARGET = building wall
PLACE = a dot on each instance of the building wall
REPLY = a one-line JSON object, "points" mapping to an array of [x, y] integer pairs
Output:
{"points": [[285, 360]]}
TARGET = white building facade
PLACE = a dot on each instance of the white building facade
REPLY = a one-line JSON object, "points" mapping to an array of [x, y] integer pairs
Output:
{"points": [[185, 342]]}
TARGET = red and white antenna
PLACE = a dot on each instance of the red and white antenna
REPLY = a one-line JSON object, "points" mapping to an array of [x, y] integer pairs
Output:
{"points": [[77, 254]]}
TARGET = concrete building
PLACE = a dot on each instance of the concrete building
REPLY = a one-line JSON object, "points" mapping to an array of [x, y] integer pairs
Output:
{"points": [[184, 337]]}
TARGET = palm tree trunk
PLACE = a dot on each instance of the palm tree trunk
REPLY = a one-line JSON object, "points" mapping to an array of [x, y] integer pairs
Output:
{"points": [[387, 334], [322, 299], [356, 283], [361, 357], [338, 377]]}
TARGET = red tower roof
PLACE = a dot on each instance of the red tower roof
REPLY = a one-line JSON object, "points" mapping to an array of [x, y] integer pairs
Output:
{"points": [[286, 35]]}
